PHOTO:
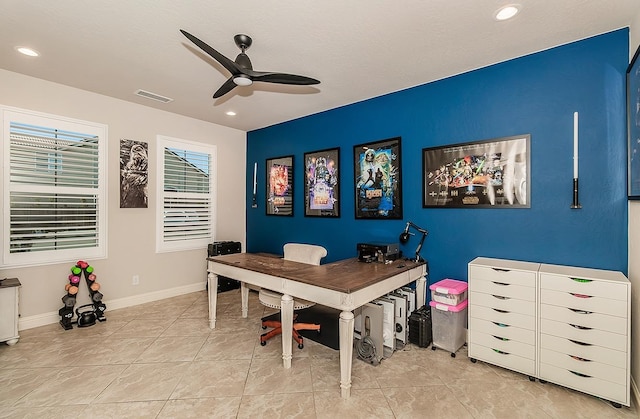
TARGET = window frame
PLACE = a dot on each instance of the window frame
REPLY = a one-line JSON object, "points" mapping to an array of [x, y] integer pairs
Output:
{"points": [[163, 142], [21, 259]]}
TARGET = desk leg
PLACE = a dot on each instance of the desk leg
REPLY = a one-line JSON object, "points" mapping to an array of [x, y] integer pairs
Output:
{"points": [[346, 352], [213, 298], [286, 320], [421, 291], [244, 292]]}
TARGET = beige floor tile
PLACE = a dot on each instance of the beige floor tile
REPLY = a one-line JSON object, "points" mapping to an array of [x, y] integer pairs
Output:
{"points": [[363, 404], [215, 408], [144, 382], [223, 378], [267, 376], [160, 359], [273, 406], [70, 386]]}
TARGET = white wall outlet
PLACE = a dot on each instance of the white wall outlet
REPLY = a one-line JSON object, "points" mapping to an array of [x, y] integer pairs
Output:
{"points": [[136, 280]]}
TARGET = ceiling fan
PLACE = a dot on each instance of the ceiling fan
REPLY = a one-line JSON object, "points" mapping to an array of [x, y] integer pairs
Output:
{"points": [[242, 73]]}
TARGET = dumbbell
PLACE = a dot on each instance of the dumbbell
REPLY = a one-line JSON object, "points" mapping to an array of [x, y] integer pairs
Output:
{"points": [[88, 269], [74, 279], [95, 286], [73, 290], [76, 270], [92, 277], [69, 301], [82, 264], [97, 296]]}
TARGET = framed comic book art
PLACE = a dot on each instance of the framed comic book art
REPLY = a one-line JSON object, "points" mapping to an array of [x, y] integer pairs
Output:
{"points": [[322, 183], [378, 182], [633, 129], [280, 186], [484, 174]]}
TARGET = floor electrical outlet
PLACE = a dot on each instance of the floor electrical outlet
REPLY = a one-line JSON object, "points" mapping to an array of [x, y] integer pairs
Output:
{"points": [[136, 280]]}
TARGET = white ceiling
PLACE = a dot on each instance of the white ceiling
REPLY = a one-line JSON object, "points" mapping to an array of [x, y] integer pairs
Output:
{"points": [[358, 49]]}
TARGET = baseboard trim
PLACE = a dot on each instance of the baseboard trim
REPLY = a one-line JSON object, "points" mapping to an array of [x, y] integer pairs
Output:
{"points": [[53, 317]]}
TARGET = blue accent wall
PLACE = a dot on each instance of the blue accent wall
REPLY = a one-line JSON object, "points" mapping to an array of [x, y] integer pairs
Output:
{"points": [[537, 95]]}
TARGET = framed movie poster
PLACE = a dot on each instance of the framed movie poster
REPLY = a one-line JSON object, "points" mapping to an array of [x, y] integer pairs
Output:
{"points": [[280, 186], [321, 183], [484, 174], [134, 174], [633, 130], [378, 184]]}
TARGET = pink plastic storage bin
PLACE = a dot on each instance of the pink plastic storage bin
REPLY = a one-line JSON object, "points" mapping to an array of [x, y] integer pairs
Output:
{"points": [[449, 291], [448, 326]]}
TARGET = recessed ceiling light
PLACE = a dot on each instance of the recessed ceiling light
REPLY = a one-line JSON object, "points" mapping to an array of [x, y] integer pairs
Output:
{"points": [[27, 51], [507, 12], [231, 113]]}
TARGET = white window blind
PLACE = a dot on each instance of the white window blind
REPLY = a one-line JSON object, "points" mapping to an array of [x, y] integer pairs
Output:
{"points": [[53, 189], [186, 216]]}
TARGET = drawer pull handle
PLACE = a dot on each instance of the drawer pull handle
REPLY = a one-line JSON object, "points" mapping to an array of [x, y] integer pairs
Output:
{"points": [[580, 374], [500, 324], [500, 297], [501, 270], [500, 283], [575, 310], [577, 342], [499, 338], [577, 358], [499, 311], [577, 326], [580, 295], [582, 280], [500, 352]]}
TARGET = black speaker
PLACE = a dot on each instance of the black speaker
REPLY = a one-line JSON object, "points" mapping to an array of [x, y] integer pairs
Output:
{"points": [[225, 248]]}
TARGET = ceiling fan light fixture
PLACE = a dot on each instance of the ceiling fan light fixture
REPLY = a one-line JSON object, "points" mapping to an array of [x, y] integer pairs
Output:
{"points": [[507, 12], [242, 80]]}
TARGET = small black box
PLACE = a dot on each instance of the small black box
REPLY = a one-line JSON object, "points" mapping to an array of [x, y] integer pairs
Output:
{"points": [[420, 327], [225, 248]]}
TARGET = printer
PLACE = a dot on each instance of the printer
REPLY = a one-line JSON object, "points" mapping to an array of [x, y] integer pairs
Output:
{"points": [[378, 252]]}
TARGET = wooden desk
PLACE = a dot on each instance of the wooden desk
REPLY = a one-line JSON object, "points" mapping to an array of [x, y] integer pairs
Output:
{"points": [[344, 285]]}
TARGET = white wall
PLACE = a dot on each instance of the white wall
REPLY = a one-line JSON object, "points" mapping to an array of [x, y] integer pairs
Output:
{"points": [[634, 249], [131, 232]]}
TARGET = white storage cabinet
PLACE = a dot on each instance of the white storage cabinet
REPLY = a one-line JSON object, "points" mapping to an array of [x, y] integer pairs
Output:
{"points": [[502, 313], [585, 330], [9, 295]]}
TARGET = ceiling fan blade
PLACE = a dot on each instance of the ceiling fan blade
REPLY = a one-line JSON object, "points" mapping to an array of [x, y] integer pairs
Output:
{"points": [[225, 88], [281, 78], [226, 63]]}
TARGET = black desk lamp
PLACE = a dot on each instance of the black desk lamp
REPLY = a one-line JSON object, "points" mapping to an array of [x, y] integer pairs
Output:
{"points": [[404, 238]]}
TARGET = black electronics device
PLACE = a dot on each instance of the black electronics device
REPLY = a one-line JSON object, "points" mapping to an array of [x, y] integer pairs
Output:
{"points": [[420, 327], [225, 248], [378, 252]]}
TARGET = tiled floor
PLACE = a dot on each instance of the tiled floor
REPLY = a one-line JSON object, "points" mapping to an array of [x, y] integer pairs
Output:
{"points": [[161, 360]]}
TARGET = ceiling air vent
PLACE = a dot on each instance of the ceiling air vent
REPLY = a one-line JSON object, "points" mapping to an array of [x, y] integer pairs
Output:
{"points": [[153, 96]]}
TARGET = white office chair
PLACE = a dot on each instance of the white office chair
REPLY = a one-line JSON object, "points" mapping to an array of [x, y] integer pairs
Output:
{"points": [[297, 252]]}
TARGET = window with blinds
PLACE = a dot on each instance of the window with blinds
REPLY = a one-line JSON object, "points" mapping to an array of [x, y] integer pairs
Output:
{"points": [[186, 216], [53, 190]]}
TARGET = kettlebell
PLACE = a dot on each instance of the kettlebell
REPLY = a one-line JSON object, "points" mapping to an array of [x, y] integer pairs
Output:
{"points": [[86, 317]]}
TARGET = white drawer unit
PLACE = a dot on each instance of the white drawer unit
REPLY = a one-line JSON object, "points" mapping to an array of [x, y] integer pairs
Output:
{"points": [[502, 313], [9, 288], [566, 325], [585, 330]]}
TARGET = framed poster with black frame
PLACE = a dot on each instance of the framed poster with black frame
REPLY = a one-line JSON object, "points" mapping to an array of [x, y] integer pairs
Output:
{"points": [[633, 128], [322, 183], [280, 186], [377, 180], [483, 174]]}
